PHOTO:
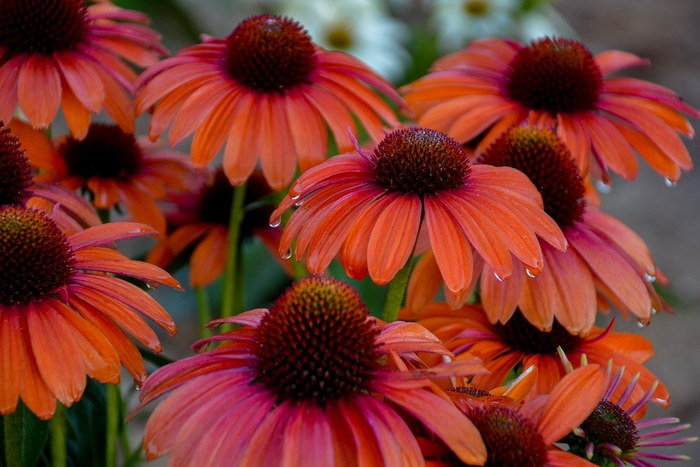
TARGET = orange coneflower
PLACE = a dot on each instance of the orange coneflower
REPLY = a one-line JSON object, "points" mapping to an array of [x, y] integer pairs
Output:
{"points": [[604, 256], [468, 333], [17, 188], [199, 221], [496, 83], [61, 53], [312, 380], [265, 90], [524, 435], [114, 166], [611, 433], [61, 309], [371, 207]]}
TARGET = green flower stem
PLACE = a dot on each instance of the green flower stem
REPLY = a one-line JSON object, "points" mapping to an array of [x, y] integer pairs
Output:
{"points": [[397, 289], [204, 312], [231, 283], [113, 419], [59, 455]]}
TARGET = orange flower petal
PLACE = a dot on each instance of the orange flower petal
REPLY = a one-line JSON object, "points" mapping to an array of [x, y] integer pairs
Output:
{"points": [[83, 80], [571, 402], [452, 250], [336, 116], [35, 394], [424, 283], [611, 61], [12, 360], [278, 166], [609, 146], [353, 252], [128, 352], [196, 108], [9, 79], [100, 359], [209, 257], [105, 190], [501, 297], [77, 116], [393, 238], [56, 353], [39, 90], [119, 312], [308, 130], [129, 295], [141, 206], [243, 144]]}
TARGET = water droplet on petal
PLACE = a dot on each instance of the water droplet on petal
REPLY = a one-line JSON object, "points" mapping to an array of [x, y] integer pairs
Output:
{"points": [[294, 196], [650, 278], [498, 277], [642, 323], [286, 254], [151, 285], [602, 187], [299, 203], [654, 311], [275, 222], [530, 273], [670, 183]]}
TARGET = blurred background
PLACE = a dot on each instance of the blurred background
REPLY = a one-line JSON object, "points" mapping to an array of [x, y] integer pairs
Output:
{"points": [[401, 38]]}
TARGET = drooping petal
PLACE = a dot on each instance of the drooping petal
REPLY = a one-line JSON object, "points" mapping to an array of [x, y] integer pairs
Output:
{"points": [[571, 402], [452, 250], [393, 238], [39, 90], [12, 360], [83, 80], [56, 353], [208, 259]]}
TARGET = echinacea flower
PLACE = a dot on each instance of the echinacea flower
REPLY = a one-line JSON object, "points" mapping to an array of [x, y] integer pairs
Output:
{"points": [[524, 435], [61, 53], [604, 256], [468, 333], [314, 380], [198, 224], [70, 211], [496, 83], [267, 92], [114, 166], [62, 312], [371, 207], [361, 28], [612, 432]]}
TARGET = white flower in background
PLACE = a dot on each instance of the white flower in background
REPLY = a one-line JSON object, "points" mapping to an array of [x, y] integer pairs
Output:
{"points": [[457, 22], [361, 28], [543, 21]]}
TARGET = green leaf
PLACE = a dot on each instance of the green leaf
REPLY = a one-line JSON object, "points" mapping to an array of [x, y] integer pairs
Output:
{"points": [[24, 437]]}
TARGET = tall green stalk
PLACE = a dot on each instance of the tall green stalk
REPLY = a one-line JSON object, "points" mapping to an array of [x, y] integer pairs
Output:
{"points": [[231, 302], [397, 290]]}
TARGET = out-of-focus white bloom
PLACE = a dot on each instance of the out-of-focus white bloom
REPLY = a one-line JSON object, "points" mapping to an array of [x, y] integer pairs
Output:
{"points": [[361, 28], [543, 21], [457, 22]]}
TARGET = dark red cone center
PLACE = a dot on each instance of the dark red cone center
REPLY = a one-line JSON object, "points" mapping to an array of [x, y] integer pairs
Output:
{"points": [[543, 157], [317, 344], [106, 152], [15, 174], [35, 256], [419, 160], [269, 53], [554, 75], [42, 26]]}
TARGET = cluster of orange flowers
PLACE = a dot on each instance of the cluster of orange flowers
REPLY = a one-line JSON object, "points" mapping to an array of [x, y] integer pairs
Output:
{"points": [[483, 170]]}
